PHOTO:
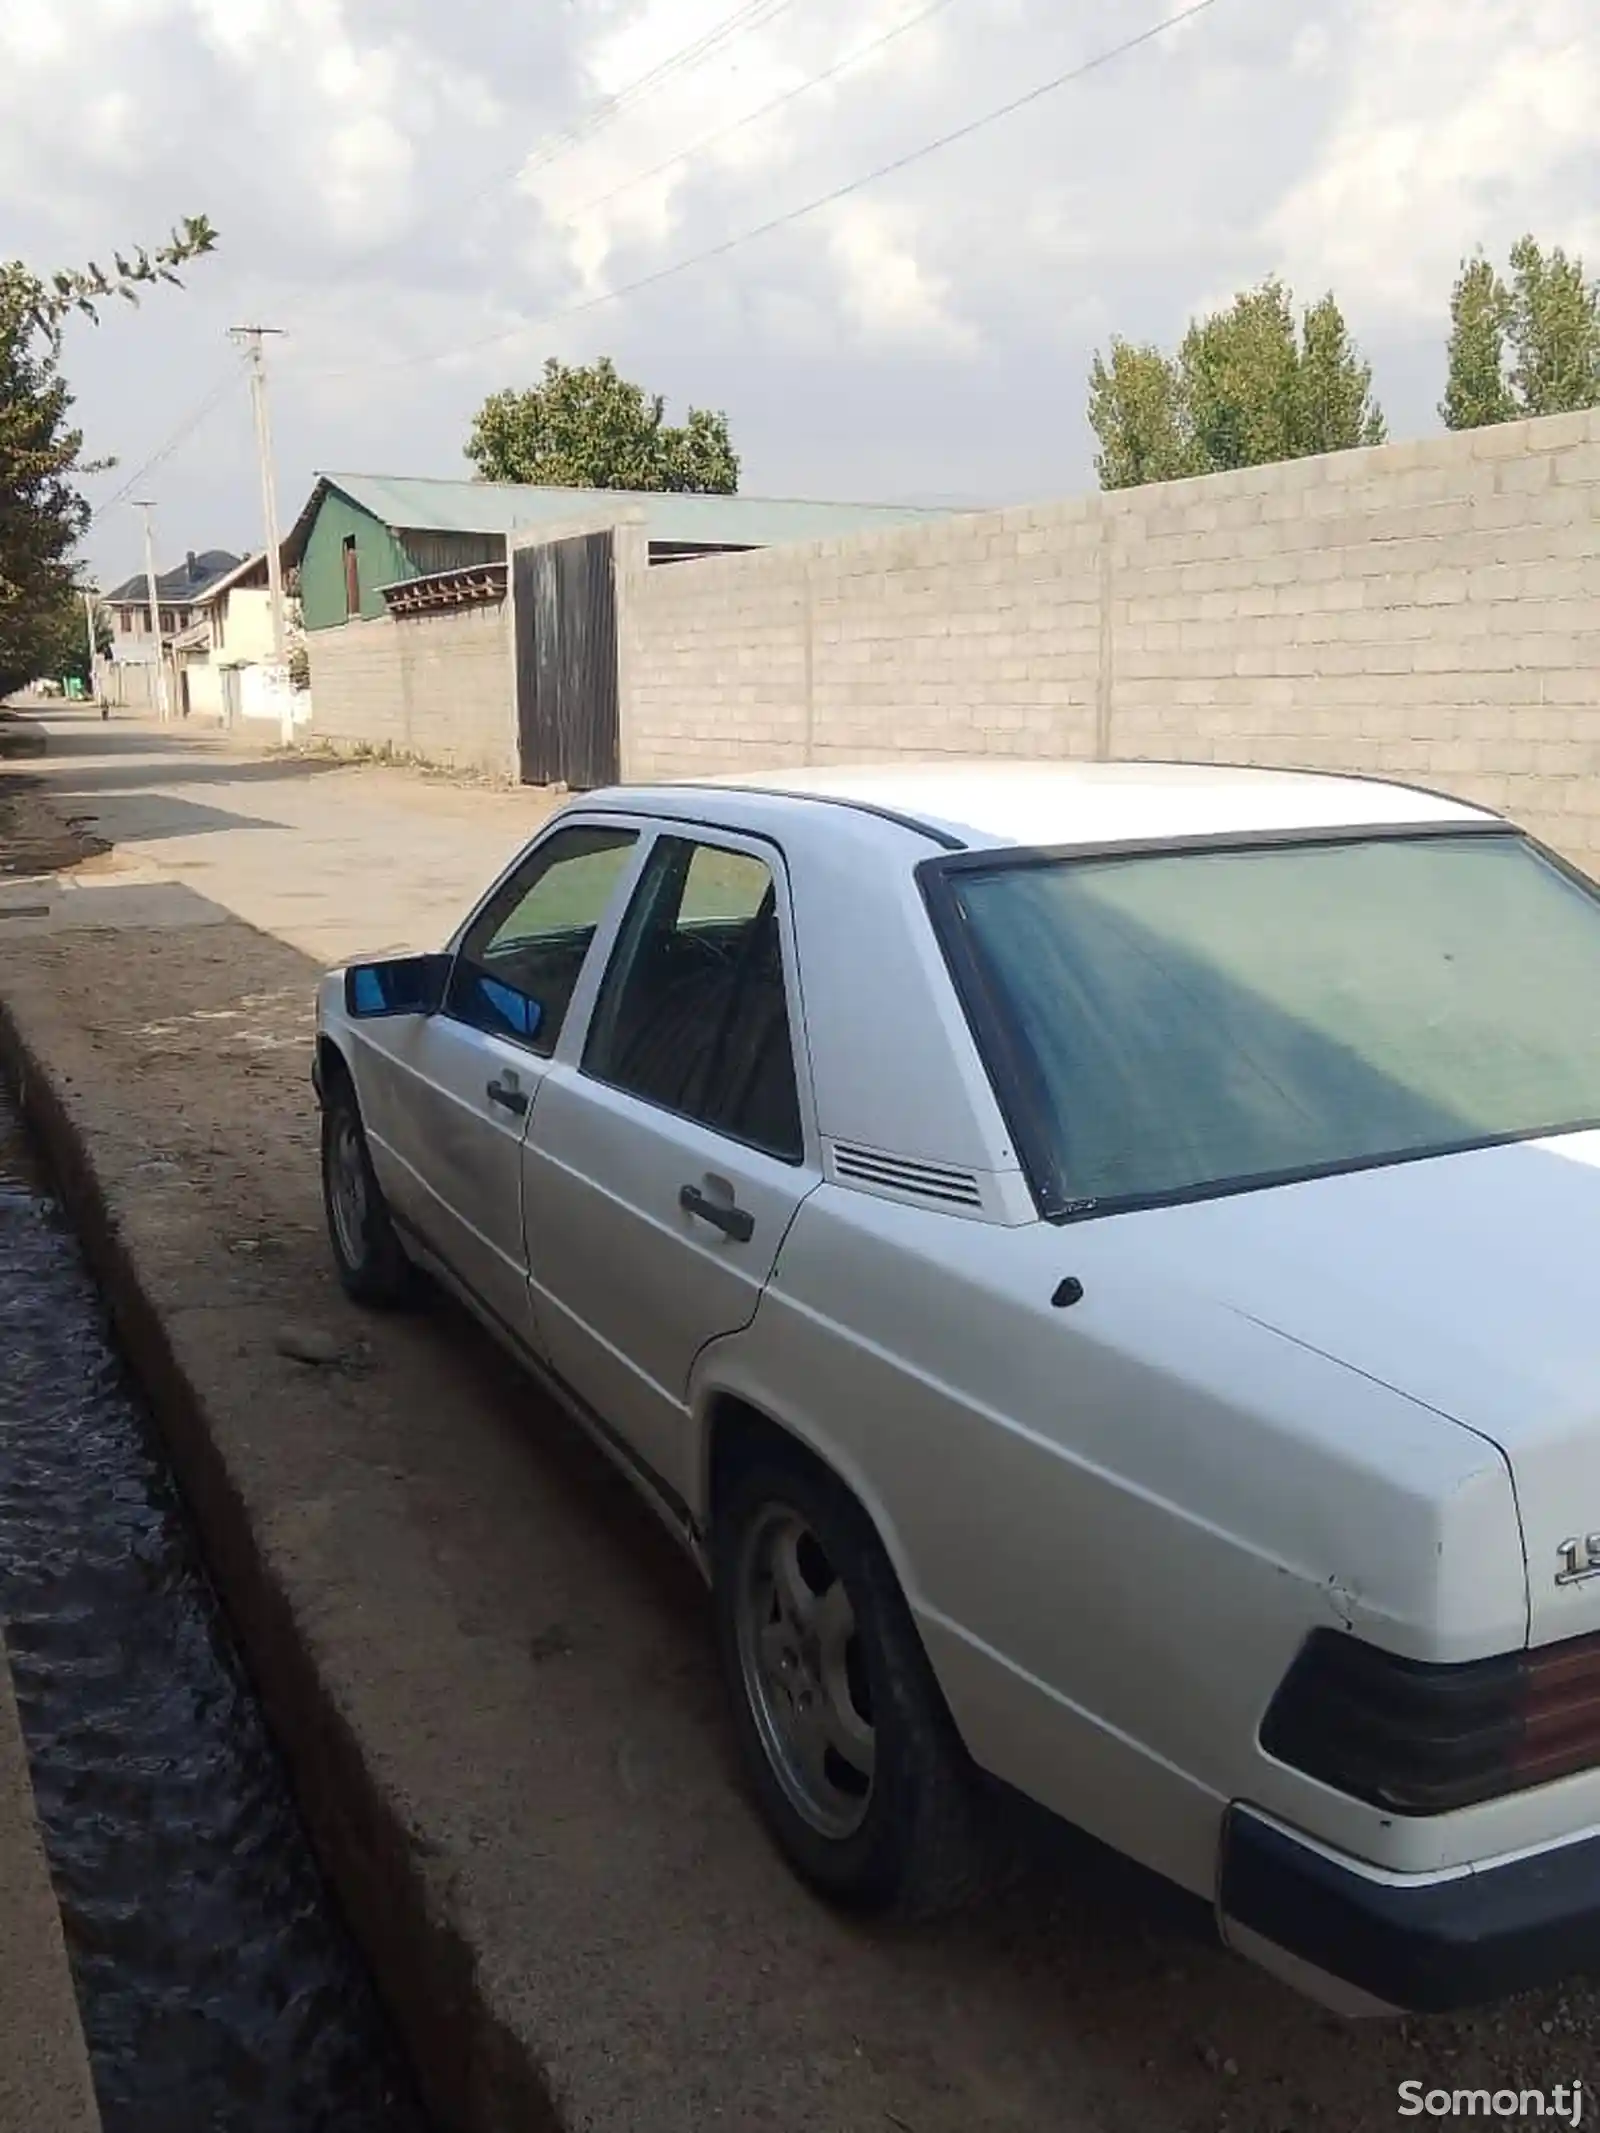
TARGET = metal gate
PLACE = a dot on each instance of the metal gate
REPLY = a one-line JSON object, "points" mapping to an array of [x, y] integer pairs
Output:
{"points": [[565, 617]]}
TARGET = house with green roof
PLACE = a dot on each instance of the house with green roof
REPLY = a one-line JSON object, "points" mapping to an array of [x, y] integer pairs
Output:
{"points": [[362, 537], [482, 625]]}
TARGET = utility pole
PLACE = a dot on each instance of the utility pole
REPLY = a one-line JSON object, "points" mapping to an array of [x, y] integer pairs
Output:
{"points": [[94, 649], [140, 504], [250, 338]]}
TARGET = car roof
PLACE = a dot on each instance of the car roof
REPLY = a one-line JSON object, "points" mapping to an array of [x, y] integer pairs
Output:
{"points": [[993, 803]]}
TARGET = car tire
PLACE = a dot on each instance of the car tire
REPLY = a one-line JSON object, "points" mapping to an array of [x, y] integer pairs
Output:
{"points": [[371, 1261], [908, 1837]]}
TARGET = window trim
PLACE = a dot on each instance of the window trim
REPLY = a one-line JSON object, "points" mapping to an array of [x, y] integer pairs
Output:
{"points": [[1006, 1057], [601, 939], [754, 845]]}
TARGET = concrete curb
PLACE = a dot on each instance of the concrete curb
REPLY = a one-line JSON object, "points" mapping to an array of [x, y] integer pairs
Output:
{"points": [[475, 2075], [45, 2082]]}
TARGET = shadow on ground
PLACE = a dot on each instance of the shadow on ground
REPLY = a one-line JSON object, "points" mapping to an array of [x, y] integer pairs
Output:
{"points": [[162, 817], [88, 757]]}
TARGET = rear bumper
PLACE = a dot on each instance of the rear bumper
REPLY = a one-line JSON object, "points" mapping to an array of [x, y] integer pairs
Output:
{"points": [[1422, 1944]]}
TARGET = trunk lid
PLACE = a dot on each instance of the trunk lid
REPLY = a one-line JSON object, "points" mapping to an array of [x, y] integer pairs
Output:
{"points": [[1469, 1283]]}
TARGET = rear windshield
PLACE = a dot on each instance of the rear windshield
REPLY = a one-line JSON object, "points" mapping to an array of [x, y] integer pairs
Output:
{"points": [[1179, 1024]]}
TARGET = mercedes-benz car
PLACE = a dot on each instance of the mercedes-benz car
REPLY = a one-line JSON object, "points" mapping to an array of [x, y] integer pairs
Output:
{"points": [[1093, 1261]]}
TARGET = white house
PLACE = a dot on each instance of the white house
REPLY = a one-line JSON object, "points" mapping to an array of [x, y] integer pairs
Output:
{"points": [[128, 676], [231, 634], [216, 630]]}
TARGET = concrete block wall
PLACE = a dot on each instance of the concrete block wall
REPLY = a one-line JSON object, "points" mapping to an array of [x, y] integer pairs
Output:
{"points": [[437, 687], [128, 684], [205, 691], [955, 636], [1427, 611], [714, 676]]}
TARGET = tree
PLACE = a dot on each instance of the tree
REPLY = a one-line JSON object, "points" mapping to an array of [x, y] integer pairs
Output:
{"points": [[1530, 346], [44, 304], [61, 641], [42, 514], [1335, 409], [587, 427], [1137, 410], [1240, 371], [42, 517], [1246, 387], [1554, 332], [1476, 392]]}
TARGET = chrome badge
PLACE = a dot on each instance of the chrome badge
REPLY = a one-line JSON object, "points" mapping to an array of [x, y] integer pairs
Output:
{"points": [[1579, 1559]]}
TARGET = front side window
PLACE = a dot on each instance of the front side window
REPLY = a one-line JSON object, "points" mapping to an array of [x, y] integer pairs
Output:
{"points": [[520, 960], [1178, 1024], [692, 1015]]}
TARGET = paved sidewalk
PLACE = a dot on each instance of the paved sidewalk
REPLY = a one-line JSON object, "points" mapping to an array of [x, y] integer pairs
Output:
{"points": [[334, 859]]}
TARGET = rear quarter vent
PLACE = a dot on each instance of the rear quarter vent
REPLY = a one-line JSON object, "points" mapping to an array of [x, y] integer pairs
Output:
{"points": [[897, 1177], [929, 1184]]}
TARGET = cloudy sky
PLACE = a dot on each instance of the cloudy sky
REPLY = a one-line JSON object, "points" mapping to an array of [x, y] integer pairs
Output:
{"points": [[430, 196]]}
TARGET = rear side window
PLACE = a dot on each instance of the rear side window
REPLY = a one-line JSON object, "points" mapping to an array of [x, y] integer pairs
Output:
{"points": [[693, 1014]]}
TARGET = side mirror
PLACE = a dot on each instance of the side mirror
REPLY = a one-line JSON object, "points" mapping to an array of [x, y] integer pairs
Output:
{"points": [[407, 985]]}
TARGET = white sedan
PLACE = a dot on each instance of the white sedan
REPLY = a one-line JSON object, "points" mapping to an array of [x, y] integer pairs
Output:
{"points": [[1094, 1262]]}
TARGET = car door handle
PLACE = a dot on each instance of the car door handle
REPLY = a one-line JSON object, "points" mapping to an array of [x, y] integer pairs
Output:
{"points": [[735, 1222], [508, 1096]]}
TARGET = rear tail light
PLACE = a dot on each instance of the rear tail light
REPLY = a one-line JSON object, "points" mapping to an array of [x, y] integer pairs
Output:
{"points": [[1421, 1739]]}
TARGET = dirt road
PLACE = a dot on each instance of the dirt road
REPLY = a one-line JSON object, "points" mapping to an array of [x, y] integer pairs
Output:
{"points": [[490, 1672]]}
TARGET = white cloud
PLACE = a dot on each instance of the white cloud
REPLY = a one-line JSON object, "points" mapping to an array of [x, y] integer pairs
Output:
{"points": [[32, 34], [885, 289], [1465, 122]]}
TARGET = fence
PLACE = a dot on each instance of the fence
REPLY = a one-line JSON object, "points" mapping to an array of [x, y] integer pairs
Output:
{"points": [[1427, 611]]}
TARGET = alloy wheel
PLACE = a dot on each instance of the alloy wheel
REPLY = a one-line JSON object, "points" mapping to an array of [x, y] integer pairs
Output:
{"points": [[804, 1672], [347, 1189]]}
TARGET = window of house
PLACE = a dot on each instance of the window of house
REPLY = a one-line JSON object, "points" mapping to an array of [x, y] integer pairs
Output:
{"points": [[352, 578], [693, 1015], [520, 961]]}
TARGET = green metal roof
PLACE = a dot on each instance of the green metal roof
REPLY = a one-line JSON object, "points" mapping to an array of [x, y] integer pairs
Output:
{"points": [[401, 501]]}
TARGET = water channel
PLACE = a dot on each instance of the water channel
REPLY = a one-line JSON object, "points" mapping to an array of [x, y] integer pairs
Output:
{"points": [[218, 1987]]}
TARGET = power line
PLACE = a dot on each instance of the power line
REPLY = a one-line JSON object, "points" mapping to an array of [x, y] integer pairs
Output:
{"points": [[724, 133], [186, 429], [795, 214], [753, 15]]}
